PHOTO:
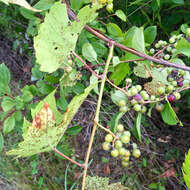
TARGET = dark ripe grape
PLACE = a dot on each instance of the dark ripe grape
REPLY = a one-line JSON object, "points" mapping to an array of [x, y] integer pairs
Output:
{"points": [[179, 84], [174, 73], [171, 98], [137, 97], [130, 97]]}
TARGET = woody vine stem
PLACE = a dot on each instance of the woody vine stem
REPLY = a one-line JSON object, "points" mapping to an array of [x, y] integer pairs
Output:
{"points": [[96, 119]]}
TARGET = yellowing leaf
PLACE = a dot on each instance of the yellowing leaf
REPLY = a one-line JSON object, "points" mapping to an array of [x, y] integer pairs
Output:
{"points": [[44, 118], [48, 125], [22, 3]]}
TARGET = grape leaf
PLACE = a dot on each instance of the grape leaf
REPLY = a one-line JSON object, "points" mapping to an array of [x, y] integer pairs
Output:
{"points": [[142, 70], [137, 127], [9, 124], [120, 14], [169, 116], [121, 70], [48, 125], [57, 36], [186, 169], [21, 3], [150, 34]]}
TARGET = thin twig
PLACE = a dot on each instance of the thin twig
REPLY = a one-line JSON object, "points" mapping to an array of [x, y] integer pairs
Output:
{"points": [[133, 60], [107, 130], [96, 119], [116, 87], [64, 156], [86, 65]]}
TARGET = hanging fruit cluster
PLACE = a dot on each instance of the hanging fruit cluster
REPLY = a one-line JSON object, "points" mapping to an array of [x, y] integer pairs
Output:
{"points": [[119, 145], [108, 3]]}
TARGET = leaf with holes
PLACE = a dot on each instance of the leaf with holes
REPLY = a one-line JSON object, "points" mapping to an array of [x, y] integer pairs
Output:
{"points": [[48, 125], [55, 42]]}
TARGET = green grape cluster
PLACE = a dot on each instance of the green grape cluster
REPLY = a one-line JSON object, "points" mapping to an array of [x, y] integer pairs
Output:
{"points": [[169, 48], [120, 147], [139, 98], [108, 3]]}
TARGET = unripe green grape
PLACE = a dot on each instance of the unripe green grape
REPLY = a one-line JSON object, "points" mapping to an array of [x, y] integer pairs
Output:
{"points": [[161, 42], [136, 153], [159, 107], [134, 91], [182, 72], [123, 109], [143, 92], [118, 144], [157, 45], [127, 153], [144, 109], [106, 146], [169, 88], [128, 81], [118, 134], [126, 158], [145, 96], [129, 92], [109, 7], [169, 49], [135, 146], [137, 107], [175, 45], [138, 87], [161, 90], [165, 43], [120, 128], [174, 50], [122, 151], [152, 50], [108, 138], [152, 97], [170, 79], [172, 40], [124, 163], [127, 133], [174, 83], [122, 103], [157, 99], [133, 102], [114, 153], [177, 95], [167, 56], [125, 139]]}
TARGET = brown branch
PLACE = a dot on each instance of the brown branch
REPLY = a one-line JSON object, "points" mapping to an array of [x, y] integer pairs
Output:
{"points": [[85, 64], [64, 156], [123, 47]]}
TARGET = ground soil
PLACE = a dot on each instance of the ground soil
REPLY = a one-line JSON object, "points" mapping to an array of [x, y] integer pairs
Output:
{"points": [[162, 138]]}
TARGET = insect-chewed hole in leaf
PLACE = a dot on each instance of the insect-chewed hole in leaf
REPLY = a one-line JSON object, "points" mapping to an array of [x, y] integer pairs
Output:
{"points": [[55, 48], [44, 118], [69, 23]]}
